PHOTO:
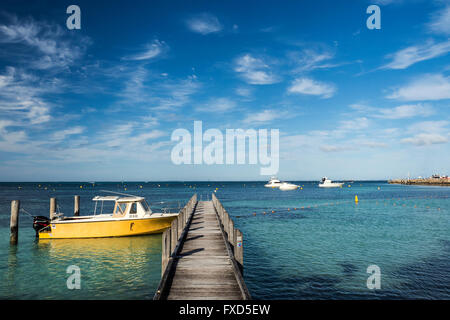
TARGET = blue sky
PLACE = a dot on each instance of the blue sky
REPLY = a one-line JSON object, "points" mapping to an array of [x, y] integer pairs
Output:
{"points": [[101, 103]]}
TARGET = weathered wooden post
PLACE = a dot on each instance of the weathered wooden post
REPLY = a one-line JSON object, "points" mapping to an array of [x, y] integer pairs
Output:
{"points": [[174, 235], [230, 231], [165, 250], [14, 222], [76, 207], [180, 224], [239, 248], [187, 215], [225, 222], [52, 208], [183, 221], [221, 214]]}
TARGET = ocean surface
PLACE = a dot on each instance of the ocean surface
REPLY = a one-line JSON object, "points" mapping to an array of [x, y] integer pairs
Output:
{"points": [[310, 243]]}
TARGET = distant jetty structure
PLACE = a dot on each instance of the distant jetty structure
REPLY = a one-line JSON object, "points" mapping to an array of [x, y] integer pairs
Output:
{"points": [[434, 180]]}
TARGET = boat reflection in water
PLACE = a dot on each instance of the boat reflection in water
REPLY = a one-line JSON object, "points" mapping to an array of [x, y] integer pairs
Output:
{"points": [[124, 250], [110, 268]]}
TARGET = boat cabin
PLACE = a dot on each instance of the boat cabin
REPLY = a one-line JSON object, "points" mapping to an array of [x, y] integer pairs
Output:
{"points": [[125, 207]]}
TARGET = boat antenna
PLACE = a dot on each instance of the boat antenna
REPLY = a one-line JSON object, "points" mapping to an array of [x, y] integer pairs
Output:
{"points": [[123, 194]]}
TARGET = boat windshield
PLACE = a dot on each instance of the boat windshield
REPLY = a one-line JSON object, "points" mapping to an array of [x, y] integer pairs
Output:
{"points": [[145, 205]]}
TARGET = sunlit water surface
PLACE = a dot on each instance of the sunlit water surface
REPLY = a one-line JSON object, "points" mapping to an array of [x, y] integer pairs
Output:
{"points": [[306, 244]]}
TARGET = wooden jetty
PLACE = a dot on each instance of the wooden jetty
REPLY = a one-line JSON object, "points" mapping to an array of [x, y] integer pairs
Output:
{"points": [[202, 255]]}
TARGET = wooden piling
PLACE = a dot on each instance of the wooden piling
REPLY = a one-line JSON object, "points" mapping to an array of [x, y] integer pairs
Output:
{"points": [[165, 250], [180, 223], [52, 208], [239, 248], [225, 222], [14, 222], [76, 207], [230, 231], [173, 235]]}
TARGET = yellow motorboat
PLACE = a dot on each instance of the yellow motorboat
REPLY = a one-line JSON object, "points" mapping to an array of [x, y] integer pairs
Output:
{"points": [[131, 216]]}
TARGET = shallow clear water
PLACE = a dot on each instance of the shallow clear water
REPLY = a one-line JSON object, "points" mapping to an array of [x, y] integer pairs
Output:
{"points": [[316, 244]]}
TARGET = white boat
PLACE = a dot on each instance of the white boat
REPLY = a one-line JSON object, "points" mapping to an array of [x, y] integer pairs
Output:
{"points": [[273, 183], [285, 186], [327, 183]]}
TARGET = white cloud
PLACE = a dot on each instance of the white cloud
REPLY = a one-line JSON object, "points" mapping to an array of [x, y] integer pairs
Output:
{"points": [[427, 87], [441, 22], [406, 57], [204, 24], [309, 59], [428, 133], [124, 135], [174, 94], [426, 139], [51, 46], [20, 97], [405, 111], [335, 148], [62, 134], [373, 144], [254, 70], [354, 124], [244, 92], [264, 116], [218, 105], [386, 2], [438, 126], [154, 49], [312, 87], [144, 90]]}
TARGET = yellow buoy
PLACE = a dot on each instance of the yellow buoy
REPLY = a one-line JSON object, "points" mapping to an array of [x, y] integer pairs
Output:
{"points": [[356, 199]]}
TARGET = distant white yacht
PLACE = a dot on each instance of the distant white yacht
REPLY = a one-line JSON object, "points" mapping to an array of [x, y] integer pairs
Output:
{"points": [[285, 186], [273, 183], [327, 183]]}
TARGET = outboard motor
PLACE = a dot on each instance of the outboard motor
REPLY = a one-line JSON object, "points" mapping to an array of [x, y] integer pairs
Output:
{"points": [[39, 223]]}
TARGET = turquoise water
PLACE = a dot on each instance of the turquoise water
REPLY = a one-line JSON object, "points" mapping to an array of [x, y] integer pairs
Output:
{"points": [[316, 244]]}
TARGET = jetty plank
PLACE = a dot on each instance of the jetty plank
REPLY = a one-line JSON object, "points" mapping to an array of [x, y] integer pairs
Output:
{"points": [[204, 253], [203, 268]]}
